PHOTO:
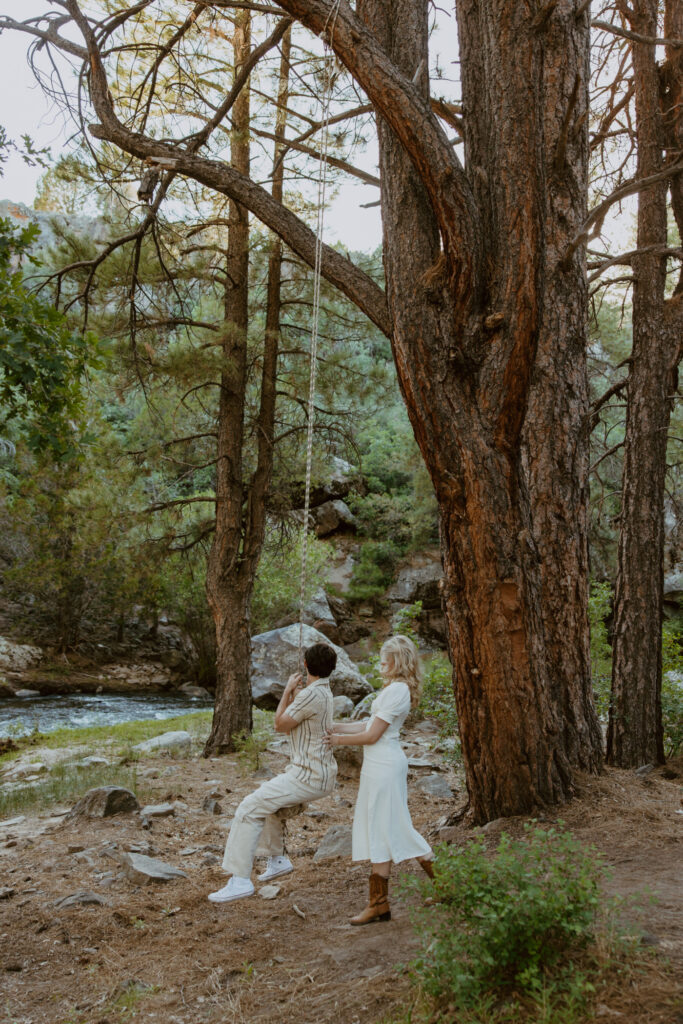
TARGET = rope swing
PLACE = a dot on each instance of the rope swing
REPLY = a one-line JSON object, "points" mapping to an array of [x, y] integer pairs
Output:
{"points": [[330, 75]]}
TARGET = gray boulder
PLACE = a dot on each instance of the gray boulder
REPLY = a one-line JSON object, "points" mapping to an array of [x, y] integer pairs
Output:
{"points": [[336, 843], [103, 802], [275, 656], [332, 516], [176, 741], [17, 657], [27, 693]]}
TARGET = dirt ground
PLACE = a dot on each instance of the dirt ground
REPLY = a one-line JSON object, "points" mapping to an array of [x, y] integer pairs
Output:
{"points": [[163, 953]]}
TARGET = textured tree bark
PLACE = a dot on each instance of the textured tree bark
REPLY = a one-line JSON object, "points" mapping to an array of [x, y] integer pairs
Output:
{"points": [[635, 723], [241, 505], [481, 377], [228, 588]]}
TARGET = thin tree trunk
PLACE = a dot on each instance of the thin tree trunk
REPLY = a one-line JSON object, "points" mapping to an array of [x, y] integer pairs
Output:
{"points": [[228, 588], [232, 570], [635, 723]]}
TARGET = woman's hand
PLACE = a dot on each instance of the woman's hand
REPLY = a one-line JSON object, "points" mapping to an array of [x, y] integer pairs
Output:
{"points": [[331, 738]]}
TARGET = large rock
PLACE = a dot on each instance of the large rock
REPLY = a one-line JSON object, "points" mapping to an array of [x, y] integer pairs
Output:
{"points": [[141, 869], [139, 675], [336, 843], [275, 655], [422, 583], [103, 802], [17, 657], [175, 741], [332, 516], [338, 480]]}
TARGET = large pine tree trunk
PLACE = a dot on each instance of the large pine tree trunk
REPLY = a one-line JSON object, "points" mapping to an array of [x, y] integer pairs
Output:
{"points": [[635, 724], [474, 373]]}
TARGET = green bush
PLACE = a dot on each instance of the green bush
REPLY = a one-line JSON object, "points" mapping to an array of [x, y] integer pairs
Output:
{"points": [[599, 607], [374, 571], [509, 922], [437, 700]]}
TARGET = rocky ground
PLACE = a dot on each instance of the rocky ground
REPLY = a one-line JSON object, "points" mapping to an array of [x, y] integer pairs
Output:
{"points": [[83, 942]]}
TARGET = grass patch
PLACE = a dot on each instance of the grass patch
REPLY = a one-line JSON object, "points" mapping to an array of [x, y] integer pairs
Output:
{"points": [[66, 784], [121, 736]]}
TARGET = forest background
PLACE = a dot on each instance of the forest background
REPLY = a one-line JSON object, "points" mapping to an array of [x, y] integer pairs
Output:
{"points": [[108, 490]]}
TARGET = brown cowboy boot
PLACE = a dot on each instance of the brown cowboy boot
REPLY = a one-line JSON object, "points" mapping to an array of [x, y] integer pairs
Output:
{"points": [[378, 906], [427, 867]]}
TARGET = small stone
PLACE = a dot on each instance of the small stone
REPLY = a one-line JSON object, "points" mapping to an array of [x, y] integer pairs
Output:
{"points": [[317, 815], [209, 859], [420, 762], [493, 826], [78, 899], [211, 806], [342, 801], [644, 769], [149, 773], [606, 1011], [141, 869], [189, 851], [157, 811], [269, 892], [26, 693], [6, 892], [649, 939], [435, 786], [75, 848], [93, 760], [342, 706], [146, 823], [336, 843]]}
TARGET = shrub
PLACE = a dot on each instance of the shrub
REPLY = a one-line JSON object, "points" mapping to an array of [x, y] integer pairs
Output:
{"points": [[437, 700], [599, 607], [509, 921], [374, 571]]}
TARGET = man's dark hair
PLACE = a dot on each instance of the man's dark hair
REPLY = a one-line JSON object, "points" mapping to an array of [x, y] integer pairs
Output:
{"points": [[320, 660]]}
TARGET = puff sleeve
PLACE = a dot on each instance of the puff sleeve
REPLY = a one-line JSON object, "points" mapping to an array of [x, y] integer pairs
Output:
{"points": [[393, 702]]}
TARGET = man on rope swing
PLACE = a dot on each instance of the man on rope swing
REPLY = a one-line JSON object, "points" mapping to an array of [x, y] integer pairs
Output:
{"points": [[305, 713]]}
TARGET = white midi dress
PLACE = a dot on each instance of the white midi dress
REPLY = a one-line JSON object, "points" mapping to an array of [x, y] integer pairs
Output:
{"points": [[382, 827]]}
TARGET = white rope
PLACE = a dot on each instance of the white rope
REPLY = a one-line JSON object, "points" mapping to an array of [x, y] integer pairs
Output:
{"points": [[322, 191]]}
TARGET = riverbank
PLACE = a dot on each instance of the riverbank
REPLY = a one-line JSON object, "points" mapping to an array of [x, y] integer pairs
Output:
{"points": [[80, 943]]}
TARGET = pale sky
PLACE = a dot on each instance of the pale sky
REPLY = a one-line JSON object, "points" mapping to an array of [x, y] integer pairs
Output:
{"points": [[24, 109]]}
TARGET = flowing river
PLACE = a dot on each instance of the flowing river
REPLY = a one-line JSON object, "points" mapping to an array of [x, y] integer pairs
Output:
{"points": [[76, 711]]}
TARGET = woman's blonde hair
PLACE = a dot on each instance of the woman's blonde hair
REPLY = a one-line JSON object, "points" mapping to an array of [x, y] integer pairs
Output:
{"points": [[405, 664]]}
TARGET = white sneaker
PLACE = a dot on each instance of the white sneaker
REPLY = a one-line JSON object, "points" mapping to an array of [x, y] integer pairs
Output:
{"points": [[236, 889], [276, 866]]}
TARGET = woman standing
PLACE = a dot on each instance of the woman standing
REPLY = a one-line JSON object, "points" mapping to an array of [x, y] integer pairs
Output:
{"points": [[383, 832]]}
